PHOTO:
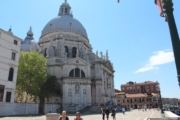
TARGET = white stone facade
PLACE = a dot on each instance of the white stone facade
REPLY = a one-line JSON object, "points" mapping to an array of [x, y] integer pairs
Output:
{"points": [[86, 78], [9, 58], [25, 109]]}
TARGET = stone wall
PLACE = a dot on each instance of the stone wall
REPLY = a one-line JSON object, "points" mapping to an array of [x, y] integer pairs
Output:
{"points": [[54, 108], [7, 109]]}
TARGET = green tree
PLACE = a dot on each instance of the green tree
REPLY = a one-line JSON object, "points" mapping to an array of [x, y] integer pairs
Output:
{"points": [[50, 88], [33, 79], [31, 73]]}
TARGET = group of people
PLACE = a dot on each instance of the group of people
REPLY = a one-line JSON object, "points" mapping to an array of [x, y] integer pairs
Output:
{"points": [[144, 107], [103, 112], [65, 117], [107, 112]]}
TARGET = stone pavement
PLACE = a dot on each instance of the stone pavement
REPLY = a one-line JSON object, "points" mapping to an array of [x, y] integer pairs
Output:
{"points": [[132, 115]]}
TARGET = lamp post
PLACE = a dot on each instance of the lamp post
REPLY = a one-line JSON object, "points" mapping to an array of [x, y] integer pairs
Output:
{"points": [[162, 111], [166, 10]]}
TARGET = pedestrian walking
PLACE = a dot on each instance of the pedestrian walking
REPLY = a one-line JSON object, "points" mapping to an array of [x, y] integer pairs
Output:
{"points": [[123, 110], [107, 113], [138, 107], [103, 113], [145, 107], [142, 108], [63, 117], [78, 116], [113, 114]]}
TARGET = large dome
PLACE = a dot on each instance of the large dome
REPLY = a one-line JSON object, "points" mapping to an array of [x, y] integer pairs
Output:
{"points": [[64, 23]]}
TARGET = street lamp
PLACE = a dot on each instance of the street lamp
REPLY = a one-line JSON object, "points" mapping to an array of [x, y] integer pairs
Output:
{"points": [[166, 10], [162, 111]]}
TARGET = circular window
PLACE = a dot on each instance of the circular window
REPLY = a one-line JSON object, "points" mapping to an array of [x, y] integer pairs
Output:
{"points": [[77, 61]]}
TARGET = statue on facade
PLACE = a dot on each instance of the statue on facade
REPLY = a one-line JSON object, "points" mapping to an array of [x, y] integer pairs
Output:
{"points": [[62, 42], [69, 91], [77, 88], [50, 50], [84, 91], [40, 49], [87, 56], [101, 53], [57, 48], [77, 52], [97, 54], [107, 57], [81, 53], [84, 53], [63, 52]]}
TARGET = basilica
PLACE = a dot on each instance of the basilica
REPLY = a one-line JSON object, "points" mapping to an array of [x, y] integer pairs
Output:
{"points": [[86, 78]]}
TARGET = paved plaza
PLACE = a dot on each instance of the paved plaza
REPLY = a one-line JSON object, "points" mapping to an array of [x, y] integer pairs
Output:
{"points": [[132, 115]]}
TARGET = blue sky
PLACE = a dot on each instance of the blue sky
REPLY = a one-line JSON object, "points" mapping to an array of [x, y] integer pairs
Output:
{"points": [[137, 38]]}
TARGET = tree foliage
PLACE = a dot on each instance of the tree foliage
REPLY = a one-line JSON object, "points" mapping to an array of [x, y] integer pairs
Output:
{"points": [[31, 73], [50, 88], [34, 80]]}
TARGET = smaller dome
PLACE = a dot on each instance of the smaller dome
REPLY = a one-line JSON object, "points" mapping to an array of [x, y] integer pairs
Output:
{"points": [[10, 31], [29, 44]]}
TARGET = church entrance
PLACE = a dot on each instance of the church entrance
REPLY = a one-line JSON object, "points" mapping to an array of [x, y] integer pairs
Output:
{"points": [[135, 106]]}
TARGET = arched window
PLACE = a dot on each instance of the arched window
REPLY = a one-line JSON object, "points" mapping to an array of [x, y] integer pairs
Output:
{"points": [[71, 74], [77, 72], [66, 10], [82, 74], [74, 52], [11, 72], [45, 54], [66, 50]]}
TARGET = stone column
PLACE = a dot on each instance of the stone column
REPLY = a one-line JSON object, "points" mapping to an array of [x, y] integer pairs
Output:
{"points": [[98, 92], [81, 93], [70, 51], [63, 92], [73, 93], [102, 87], [105, 86], [113, 92], [88, 94]]}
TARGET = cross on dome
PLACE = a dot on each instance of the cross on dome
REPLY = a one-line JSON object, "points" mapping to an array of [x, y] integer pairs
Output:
{"points": [[65, 1], [10, 30]]}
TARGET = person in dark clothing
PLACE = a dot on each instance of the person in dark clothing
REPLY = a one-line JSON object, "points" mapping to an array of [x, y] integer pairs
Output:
{"points": [[103, 113], [63, 117], [107, 113], [113, 114]]}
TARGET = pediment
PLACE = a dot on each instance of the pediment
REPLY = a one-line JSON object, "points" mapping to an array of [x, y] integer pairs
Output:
{"points": [[108, 63], [77, 61]]}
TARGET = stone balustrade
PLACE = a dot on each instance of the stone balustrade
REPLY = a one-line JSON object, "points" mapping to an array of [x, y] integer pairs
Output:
{"points": [[52, 116]]}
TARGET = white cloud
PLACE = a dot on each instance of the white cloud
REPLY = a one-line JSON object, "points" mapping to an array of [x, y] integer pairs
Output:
{"points": [[158, 58]]}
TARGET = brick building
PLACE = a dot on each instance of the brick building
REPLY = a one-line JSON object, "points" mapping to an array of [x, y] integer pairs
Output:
{"points": [[134, 94]]}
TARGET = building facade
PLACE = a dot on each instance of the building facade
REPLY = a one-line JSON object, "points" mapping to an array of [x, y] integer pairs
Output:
{"points": [[134, 94], [170, 102], [145, 87], [9, 58], [85, 78]]}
